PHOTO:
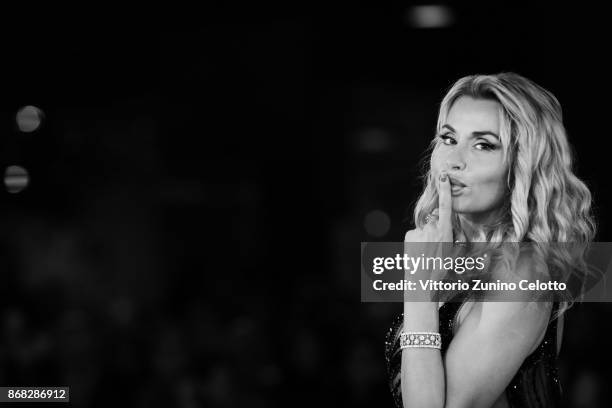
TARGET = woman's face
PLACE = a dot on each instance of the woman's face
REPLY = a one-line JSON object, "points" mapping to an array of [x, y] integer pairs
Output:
{"points": [[470, 150]]}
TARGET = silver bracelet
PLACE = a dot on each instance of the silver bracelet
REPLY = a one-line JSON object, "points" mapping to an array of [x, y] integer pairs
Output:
{"points": [[420, 339]]}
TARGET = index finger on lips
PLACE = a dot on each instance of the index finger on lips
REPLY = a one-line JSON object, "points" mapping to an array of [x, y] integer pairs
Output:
{"points": [[444, 202]]}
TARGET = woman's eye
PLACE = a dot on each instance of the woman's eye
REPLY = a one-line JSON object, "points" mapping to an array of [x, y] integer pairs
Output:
{"points": [[485, 146], [446, 139]]}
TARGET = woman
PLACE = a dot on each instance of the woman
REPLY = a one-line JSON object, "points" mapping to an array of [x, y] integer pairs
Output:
{"points": [[500, 171]]}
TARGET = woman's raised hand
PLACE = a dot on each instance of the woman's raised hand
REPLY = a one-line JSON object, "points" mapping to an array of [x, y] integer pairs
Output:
{"points": [[440, 227], [435, 238]]}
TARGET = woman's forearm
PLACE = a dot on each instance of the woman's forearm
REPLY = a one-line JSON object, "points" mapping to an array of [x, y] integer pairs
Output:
{"points": [[422, 371]]}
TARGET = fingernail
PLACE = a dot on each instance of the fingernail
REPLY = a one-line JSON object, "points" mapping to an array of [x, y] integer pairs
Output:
{"points": [[443, 177]]}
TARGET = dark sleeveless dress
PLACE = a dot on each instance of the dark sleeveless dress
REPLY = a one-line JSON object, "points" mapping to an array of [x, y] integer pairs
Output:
{"points": [[535, 385]]}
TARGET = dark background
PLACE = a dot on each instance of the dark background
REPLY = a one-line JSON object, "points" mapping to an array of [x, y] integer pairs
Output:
{"points": [[202, 180]]}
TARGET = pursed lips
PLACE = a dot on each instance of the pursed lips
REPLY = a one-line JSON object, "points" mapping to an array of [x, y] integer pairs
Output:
{"points": [[456, 183]]}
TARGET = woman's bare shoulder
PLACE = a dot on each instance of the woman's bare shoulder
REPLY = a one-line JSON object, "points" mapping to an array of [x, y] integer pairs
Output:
{"points": [[512, 311]]}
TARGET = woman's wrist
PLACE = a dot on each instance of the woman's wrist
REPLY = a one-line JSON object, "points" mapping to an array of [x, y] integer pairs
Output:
{"points": [[421, 316]]}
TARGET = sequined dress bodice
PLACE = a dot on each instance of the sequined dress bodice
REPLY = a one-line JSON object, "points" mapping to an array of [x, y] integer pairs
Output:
{"points": [[535, 385]]}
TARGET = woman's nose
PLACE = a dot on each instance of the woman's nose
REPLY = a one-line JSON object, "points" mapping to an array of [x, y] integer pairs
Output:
{"points": [[455, 160]]}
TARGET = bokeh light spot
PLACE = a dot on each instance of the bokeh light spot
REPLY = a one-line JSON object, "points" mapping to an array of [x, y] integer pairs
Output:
{"points": [[377, 223], [29, 118], [16, 178], [374, 140], [430, 16]]}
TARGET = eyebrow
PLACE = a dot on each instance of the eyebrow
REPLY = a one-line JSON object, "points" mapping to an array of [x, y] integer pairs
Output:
{"points": [[475, 134]]}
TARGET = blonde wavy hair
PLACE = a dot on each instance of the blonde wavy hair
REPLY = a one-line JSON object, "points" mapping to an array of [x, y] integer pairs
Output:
{"points": [[546, 202]]}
